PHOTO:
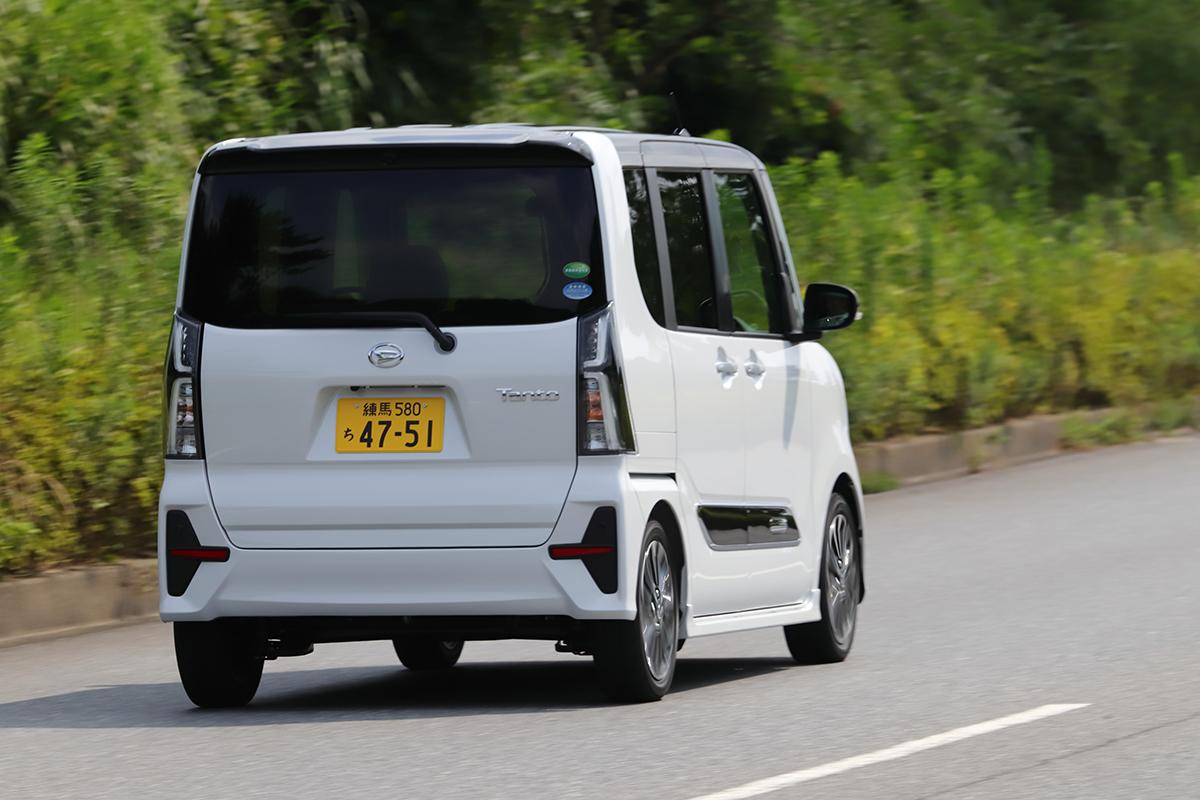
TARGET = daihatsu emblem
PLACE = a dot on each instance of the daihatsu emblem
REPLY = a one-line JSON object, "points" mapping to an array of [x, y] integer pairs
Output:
{"points": [[385, 355]]}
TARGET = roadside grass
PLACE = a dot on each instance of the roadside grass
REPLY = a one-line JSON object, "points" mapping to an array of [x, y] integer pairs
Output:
{"points": [[1084, 432], [879, 481]]}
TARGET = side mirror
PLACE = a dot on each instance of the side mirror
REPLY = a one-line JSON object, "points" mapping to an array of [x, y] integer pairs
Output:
{"points": [[827, 307]]}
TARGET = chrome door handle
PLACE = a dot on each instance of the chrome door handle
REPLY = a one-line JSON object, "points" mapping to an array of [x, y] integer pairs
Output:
{"points": [[755, 369], [727, 369]]}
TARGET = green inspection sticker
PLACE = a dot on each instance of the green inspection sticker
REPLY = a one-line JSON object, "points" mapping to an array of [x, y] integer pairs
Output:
{"points": [[577, 270]]}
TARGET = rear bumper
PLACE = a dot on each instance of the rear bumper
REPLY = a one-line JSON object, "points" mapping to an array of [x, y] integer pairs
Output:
{"points": [[275, 582]]}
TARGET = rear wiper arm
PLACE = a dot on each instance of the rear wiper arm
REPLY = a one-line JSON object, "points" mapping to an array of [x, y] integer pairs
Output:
{"points": [[446, 341]]}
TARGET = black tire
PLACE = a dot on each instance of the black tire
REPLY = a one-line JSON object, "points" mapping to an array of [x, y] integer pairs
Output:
{"points": [[829, 640], [620, 651], [427, 653], [220, 662]]}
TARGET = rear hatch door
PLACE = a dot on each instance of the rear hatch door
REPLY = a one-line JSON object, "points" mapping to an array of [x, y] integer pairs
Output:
{"points": [[327, 424]]}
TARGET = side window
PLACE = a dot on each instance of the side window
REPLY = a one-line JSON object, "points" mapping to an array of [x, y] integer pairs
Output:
{"points": [[755, 291], [687, 246], [645, 249]]}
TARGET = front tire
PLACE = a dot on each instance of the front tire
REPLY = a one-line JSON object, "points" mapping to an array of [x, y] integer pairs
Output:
{"points": [[635, 659], [427, 653], [220, 662], [829, 640]]}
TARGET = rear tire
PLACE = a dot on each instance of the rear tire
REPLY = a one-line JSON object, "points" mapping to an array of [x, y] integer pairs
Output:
{"points": [[829, 640], [635, 659], [427, 653], [220, 662]]}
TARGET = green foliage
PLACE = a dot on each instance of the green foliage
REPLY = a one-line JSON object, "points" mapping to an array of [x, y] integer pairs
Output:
{"points": [[972, 315], [1174, 414], [876, 482], [1081, 433], [996, 180], [1084, 431], [83, 314]]}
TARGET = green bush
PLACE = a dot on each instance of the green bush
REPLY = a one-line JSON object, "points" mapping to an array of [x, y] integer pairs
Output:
{"points": [[1081, 433], [84, 316], [1174, 414], [877, 482], [973, 315]]}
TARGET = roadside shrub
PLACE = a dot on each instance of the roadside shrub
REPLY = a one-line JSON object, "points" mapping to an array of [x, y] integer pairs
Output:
{"points": [[973, 313], [1081, 433], [1172, 415]]}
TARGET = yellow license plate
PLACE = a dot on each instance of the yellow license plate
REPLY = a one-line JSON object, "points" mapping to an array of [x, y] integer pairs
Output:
{"points": [[390, 425]]}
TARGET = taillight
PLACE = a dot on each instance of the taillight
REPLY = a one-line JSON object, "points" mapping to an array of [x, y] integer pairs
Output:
{"points": [[605, 426], [181, 397]]}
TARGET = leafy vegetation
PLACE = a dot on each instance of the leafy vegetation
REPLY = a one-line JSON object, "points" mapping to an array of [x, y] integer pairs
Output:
{"points": [[877, 482], [1083, 431], [1009, 186]]}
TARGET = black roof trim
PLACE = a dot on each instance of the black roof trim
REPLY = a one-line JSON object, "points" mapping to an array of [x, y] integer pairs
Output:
{"points": [[237, 159]]}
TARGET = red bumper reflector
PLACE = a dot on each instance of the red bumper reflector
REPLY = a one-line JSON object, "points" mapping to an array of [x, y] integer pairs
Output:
{"points": [[201, 553], [560, 551]]}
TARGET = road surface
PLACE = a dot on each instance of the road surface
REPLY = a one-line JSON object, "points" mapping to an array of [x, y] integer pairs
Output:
{"points": [[1068, 589]]}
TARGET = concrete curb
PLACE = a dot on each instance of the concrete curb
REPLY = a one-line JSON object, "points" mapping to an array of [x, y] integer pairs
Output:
{"points": [[931, 457], [948, 455], [71, 601]]}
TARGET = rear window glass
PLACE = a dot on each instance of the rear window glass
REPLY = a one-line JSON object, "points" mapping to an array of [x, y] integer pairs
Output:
{"points": [[645, 248], [469, 245], [687, 247]]}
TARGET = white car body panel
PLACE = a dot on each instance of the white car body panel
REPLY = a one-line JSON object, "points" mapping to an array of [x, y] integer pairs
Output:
{"points": [[269, 400]]}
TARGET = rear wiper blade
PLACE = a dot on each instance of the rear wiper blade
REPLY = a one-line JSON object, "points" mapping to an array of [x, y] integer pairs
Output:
{"points": [[446, 341]]}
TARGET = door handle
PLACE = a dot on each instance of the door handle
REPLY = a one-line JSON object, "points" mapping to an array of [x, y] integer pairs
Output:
{"points": [[727, 369], [755, 369]]}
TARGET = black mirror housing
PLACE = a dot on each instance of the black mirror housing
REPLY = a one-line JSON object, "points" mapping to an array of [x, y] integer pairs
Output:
{"points": [[827, 307]]}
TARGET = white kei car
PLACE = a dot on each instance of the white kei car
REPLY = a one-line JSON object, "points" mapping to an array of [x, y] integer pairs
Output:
{"points": [[432, 385]]}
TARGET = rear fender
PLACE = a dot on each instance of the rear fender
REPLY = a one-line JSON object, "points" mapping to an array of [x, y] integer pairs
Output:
{"points": [[653, 491]]}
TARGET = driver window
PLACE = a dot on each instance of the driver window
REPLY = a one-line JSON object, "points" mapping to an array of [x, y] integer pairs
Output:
{"points": [[753, 272]]}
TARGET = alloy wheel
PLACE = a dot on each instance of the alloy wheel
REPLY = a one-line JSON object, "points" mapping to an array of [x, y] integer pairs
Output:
{"points": [[657, 610], [841, 577]]}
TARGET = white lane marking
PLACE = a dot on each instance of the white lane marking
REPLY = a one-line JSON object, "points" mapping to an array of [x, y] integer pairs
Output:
{"points": [[755, 788]]}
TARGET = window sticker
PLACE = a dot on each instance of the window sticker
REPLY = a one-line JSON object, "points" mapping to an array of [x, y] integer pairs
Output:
{"points": [[577, 270], [577, 290]]}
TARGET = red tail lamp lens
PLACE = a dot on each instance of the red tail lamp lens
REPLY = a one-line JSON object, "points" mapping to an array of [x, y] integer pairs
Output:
{"points": [[561, 551], [201, 553]]}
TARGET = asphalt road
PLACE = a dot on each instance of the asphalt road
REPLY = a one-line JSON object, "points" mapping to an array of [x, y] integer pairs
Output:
{"points": [[1070, 581]]}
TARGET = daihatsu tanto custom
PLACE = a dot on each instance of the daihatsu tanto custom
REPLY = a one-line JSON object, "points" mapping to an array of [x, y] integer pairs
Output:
{"points": [[433, 385]]}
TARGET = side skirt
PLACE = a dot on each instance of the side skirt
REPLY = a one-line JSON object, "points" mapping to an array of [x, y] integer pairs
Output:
{"points": [[808, 611]]}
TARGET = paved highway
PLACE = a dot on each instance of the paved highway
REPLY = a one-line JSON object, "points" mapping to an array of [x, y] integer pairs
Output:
{"points": [[1036, 589]]}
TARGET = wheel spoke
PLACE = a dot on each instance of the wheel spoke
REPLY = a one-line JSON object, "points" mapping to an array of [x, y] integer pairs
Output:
{"points": [[648, 584], [656, 609], [841, 577]]}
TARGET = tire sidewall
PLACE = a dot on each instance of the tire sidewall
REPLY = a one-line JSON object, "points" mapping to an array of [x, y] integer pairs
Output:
{"points": [[838, 503], [655, 531]]}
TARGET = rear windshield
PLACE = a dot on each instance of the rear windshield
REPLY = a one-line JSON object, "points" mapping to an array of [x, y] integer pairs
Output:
{"points": [[466, 245]]}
